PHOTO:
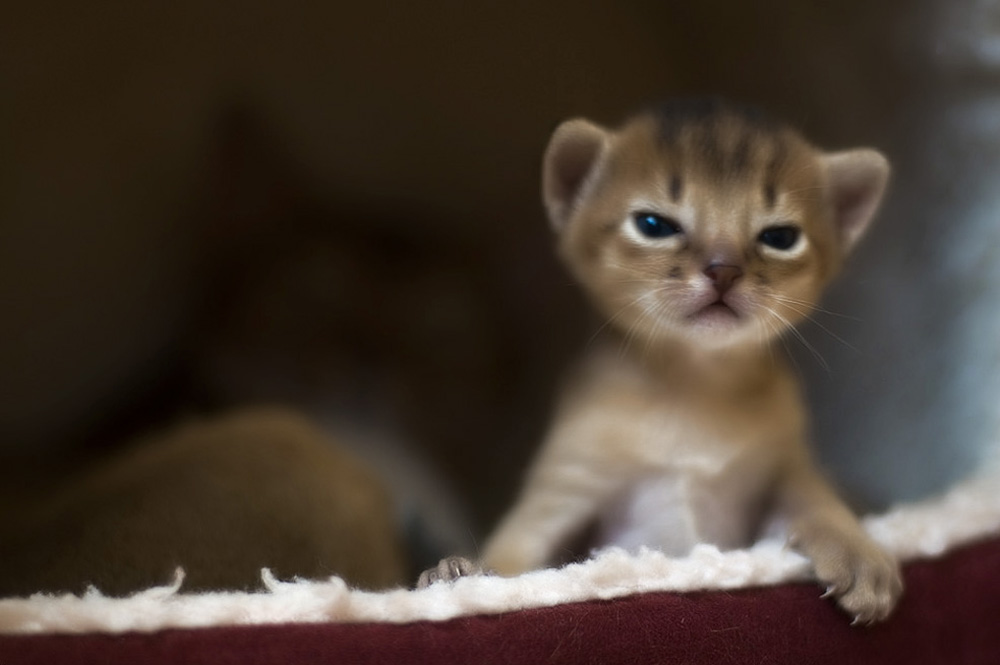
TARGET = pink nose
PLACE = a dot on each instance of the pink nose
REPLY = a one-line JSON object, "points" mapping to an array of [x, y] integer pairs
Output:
{"points": [[723, 276]]}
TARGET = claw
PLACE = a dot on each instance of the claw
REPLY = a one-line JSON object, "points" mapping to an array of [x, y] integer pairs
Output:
{"points": [[455, 568], [858, 621]]}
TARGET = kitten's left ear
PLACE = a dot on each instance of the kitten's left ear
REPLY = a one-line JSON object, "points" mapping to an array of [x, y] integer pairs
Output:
{"points": [[856, 180]]}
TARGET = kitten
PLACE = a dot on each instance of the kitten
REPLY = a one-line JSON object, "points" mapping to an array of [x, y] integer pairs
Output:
{"points": [[702, 232]]}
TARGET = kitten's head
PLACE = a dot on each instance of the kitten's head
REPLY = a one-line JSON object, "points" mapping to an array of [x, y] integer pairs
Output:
{"points": [[704, 222]]}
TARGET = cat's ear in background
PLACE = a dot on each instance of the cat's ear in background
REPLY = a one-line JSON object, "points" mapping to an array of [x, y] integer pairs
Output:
{"points": [[572, 156], [856, 180]]}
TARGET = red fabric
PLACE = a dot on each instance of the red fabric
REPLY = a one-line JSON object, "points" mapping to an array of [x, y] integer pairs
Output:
{"points": [[950, 614]]}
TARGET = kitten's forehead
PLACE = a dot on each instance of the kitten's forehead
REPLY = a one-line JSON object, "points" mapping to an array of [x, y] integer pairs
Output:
{"points": [[717, 147]]}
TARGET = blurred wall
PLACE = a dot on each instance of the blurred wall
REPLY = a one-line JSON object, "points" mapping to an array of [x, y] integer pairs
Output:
{"points": [[110, 114]]}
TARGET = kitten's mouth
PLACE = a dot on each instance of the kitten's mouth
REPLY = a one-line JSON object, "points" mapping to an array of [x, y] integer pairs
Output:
{"points": [[719, 317], [718, 310]]}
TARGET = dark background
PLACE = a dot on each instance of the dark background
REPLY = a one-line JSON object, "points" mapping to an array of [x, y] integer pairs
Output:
{"points": [[336, 205]]}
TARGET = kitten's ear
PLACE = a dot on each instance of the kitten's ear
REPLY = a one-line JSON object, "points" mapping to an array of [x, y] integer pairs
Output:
{"points": [[856, 180], [572, 155]]}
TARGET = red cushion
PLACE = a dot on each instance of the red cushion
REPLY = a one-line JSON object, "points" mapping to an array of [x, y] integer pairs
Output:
{"points": [[950, 614]]}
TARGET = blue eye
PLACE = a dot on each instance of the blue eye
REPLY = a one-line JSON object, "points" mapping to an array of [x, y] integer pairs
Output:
{"points": [[655, 226], [780, 237]]}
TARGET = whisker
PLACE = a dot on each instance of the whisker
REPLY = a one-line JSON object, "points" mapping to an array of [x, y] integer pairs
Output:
{"points": [[776, 332], [633, 327], [629, 337], [764, 339], [614, 317], [657, 314], [813, 307], [798, 335], [806, 315], [652, 273]]}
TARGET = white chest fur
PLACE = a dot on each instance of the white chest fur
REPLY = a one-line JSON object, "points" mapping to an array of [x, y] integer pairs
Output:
{"points": [[675, 510]]}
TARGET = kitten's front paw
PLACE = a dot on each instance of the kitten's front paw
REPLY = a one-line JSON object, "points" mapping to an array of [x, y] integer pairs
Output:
{"points": [[864, 579], [449, 569]]}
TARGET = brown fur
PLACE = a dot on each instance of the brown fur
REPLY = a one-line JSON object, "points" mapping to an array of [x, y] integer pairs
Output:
{"points": [[685, 426], [222, 499]]}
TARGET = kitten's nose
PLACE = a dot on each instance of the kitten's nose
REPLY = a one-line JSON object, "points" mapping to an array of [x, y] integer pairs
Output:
{"points": [[723, 276]]}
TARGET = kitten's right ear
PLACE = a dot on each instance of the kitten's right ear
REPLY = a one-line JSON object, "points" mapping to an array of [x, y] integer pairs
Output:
{"points": [[570, 159]]}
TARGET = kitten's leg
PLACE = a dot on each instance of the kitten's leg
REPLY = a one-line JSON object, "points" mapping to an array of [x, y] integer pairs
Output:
{"points": [[560, 498], [546, 515], [572, 477], [863, 578], [562, 494]]}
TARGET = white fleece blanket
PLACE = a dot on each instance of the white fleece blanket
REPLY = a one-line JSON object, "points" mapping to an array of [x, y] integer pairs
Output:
{"points": [[968, 512]]}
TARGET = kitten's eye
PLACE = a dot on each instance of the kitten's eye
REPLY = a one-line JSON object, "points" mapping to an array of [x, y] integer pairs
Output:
{"points": [[780, 237], [655, 226]]}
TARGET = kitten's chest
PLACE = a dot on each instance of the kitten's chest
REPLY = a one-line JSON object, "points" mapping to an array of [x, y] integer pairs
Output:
{"points": [[697, 467], [677, 508]]}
